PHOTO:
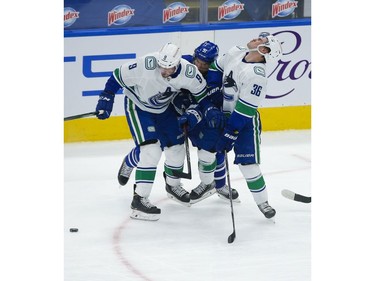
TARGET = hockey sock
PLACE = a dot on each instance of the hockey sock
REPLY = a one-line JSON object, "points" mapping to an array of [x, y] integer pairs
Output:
{"points": [[146, 170], [174, 160], [206, 166], [220, 170], [255, 182], [132, 158]]}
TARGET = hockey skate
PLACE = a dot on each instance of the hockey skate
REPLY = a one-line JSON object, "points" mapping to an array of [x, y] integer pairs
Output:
{"points": [[178, 194], [143, 209], [267, 210], [223, 193], [201, 192], [124, 173]]}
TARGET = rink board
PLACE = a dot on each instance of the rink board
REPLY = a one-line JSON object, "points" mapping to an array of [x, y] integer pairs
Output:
{"points": [[116, 128], [90, 60]]}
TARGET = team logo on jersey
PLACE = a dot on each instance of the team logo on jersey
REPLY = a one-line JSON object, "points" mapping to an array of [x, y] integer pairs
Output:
{"points": [[229, 82], [283, 8], [260, 71], [70, 16], [120, 15], [150, 63], [175, 12], [230, 10], [161, 99], [190, 71]]}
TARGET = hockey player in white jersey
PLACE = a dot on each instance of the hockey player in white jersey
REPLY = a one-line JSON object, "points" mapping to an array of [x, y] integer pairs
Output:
{"points": [[244, 88], [149, 84], [201, 134]]}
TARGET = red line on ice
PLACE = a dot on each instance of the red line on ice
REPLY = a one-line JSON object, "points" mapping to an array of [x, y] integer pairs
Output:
{"points": [[117, 247]]}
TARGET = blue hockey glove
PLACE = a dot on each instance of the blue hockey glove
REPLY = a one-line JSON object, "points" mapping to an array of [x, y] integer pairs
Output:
{"points": [[191, 118], [105, 105], [182, 101], [226, 141], [215, 118]]}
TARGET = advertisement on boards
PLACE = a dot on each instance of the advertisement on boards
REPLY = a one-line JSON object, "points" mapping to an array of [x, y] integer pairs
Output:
{"points": [[112, 14], [89, 61]]}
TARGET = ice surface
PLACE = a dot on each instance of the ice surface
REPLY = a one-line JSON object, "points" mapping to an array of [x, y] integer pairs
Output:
{"points": [[186, 244]]}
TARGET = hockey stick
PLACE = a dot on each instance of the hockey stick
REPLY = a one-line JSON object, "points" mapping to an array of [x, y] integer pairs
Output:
{"points": [[233, 235], [295, 196], [181, 174], [83, 115]]}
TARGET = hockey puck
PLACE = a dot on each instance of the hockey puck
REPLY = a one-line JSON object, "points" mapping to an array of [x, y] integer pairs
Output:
{"points": [[73, 230]]}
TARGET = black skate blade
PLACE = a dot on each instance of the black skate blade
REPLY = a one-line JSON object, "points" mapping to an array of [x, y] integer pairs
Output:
{"points": [[231, 237]]}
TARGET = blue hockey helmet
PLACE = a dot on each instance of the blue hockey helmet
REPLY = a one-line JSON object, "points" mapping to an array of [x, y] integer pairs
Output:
{"points": [[207, 52]]}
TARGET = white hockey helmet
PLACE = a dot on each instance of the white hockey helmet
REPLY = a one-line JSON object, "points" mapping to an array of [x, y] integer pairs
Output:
{"points": [[169, 56], [275, 48], [263, 34]]}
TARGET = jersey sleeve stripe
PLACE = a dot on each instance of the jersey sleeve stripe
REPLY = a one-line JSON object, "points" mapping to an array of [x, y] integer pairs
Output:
{"points": [[200, 96], [134, 121], [117, 75]]}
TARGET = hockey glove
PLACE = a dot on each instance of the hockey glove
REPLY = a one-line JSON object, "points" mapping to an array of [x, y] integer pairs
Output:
{"points": [[215, 118], [226, 141], [182, 101], [105, 105], [191, 118]]}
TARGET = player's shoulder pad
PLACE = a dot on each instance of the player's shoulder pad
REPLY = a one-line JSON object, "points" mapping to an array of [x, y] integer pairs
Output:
{"points": [[214, 74], [189, 58], [236, 49]]}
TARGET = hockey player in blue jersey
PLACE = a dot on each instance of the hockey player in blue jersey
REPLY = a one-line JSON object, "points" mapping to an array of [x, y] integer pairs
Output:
{"points": [[203, 134]]}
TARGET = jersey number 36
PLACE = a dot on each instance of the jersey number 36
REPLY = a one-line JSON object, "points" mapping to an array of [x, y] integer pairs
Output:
{"points": [[256, 90]]}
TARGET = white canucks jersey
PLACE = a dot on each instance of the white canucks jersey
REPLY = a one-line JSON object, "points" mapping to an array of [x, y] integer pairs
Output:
{"points": [[244, 83], [143, 83]]}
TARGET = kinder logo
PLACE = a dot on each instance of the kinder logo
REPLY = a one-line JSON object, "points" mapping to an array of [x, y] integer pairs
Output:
{"points": [[70, 16], [283, 8], [230, 10], [120, 15], [175, 12]]}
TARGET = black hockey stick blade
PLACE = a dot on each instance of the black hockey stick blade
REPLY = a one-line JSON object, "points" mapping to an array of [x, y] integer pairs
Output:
{"points": [[88, 114], [182, 175], [232, 237], [295, 196]]}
